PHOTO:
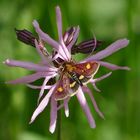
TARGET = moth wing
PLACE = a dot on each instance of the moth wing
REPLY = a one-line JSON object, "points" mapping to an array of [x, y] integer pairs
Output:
{"points": [[62, 90], [65, 88], [85, 71], [87, 68], [73, 87]]}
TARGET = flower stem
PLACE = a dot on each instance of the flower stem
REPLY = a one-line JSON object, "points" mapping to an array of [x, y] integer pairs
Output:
{"points": [[59, 124]]}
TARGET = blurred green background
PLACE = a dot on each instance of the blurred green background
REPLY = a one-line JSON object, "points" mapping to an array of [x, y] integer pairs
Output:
{"points": [[119, 100]]}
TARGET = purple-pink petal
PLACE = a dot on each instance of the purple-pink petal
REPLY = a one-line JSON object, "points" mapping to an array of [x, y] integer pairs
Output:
{"points": [[42, 104], [66, 107], [113, 66], [100, 78], [28, 79], [59, 23], [66, 52], [45, 37], [114, 47], [53, 115], [59, 27], [95, 87], [37, 87], [88, 91], [43, 87], [30, 66], [82, 100], [93, 81], [60, 48]]}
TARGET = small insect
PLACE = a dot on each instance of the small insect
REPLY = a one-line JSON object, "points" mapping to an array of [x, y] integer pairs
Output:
{"points": [[72, 76]]}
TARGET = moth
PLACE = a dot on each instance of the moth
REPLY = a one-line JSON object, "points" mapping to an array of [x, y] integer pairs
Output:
{"points": [[72, 76]]}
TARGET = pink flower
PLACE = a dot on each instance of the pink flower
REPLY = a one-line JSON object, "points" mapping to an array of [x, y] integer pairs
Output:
{"points": [[60, 65]]}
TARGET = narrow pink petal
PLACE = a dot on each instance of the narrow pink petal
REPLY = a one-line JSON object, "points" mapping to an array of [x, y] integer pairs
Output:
{"points": [[63, 52], [53, 115], [114, 47], [65, 49], [86, 89], [62, 56], [59, 22], [28, 79], [37, 87], [59, 27], [42, 104], [82, 100], [100, 78], [43, 87], [93, 81], [66, 107], [96, 88], [29, 65], [45, 37], [113, 66], [75, 36]]}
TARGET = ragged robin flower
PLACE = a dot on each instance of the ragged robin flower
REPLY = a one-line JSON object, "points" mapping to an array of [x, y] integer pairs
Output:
{"points": [[70, 77]]}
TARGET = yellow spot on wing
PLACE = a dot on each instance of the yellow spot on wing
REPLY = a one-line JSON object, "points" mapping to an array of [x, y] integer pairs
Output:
{"points": [[81, 77], [72, 84], [88, 66], [60, 89]]}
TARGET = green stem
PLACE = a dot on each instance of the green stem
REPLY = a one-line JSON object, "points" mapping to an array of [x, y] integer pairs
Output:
{"points": [[59, 124]]}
